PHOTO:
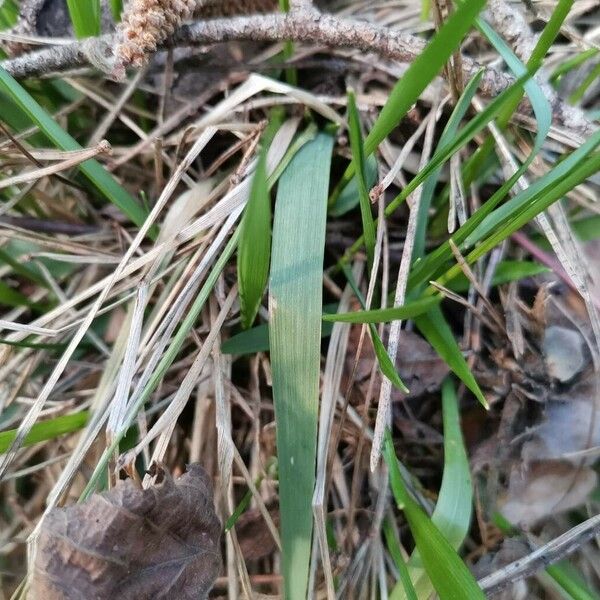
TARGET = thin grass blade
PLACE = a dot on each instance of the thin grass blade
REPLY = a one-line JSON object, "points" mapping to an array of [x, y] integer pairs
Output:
{"points": [[454, 508], [436, 330], [98, 176], [254, 251], [451, 578], [358, 156], [46, 430], [86, 17]]}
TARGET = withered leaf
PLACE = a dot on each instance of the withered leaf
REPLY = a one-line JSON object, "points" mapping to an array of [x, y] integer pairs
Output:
{"points": [[545, 488], [129, 543]]}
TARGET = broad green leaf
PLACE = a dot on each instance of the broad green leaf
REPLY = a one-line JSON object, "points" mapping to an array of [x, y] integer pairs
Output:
{"points": [[434, 327], [46, 430], [358, 157], [451, 578], [86, 17], [100, 178], [295, 303]]}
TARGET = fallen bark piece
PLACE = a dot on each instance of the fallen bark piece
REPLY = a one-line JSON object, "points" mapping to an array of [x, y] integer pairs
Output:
{"points": [[129, 543]]}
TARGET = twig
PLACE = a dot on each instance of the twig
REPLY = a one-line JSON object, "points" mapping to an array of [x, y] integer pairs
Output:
{"points": [[301, 25], [546, 555]]}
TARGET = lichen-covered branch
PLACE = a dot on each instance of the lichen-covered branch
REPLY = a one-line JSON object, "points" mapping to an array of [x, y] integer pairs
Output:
{"points": [[301, 25]]}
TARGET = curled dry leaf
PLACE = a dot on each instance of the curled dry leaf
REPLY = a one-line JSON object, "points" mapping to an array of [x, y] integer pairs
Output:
{"points": [[129, 543]]}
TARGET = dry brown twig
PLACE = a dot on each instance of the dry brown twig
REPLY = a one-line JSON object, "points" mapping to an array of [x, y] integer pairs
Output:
{"points": [[302, 24]]}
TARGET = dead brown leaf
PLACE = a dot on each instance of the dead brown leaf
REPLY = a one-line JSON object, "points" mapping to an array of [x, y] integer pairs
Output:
{"points": [[545, 488], [129, 543]]}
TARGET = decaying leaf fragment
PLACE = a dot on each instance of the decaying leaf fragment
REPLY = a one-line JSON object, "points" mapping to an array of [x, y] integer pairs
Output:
{"points": [[129, 543]]}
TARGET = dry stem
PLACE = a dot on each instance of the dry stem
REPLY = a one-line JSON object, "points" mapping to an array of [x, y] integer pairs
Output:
{"points": [[301, 25]]}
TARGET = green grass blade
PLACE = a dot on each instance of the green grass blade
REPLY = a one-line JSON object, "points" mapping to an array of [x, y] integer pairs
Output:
{"points": [[450, 130], [9, 12], [539, 103], [524, 198], [385, 315], [453, 510], [545, 41], [442, 154], [422, 71], [571, 582], [46, 430], [451, 578], [393, 546], [116, 8], [572, 63], [295, 302], [256, 339], [590, 78], [22, 270], [358, 157], [553, 190], [416, 78], [96, 174], [349, 196], [291, 74], [506, 271], [86, 17], [384, 361], [436, 330], [488, 217], [254, 250]]}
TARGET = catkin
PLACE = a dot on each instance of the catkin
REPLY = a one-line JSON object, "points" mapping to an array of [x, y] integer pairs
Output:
{"points": [[145, 24]]}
